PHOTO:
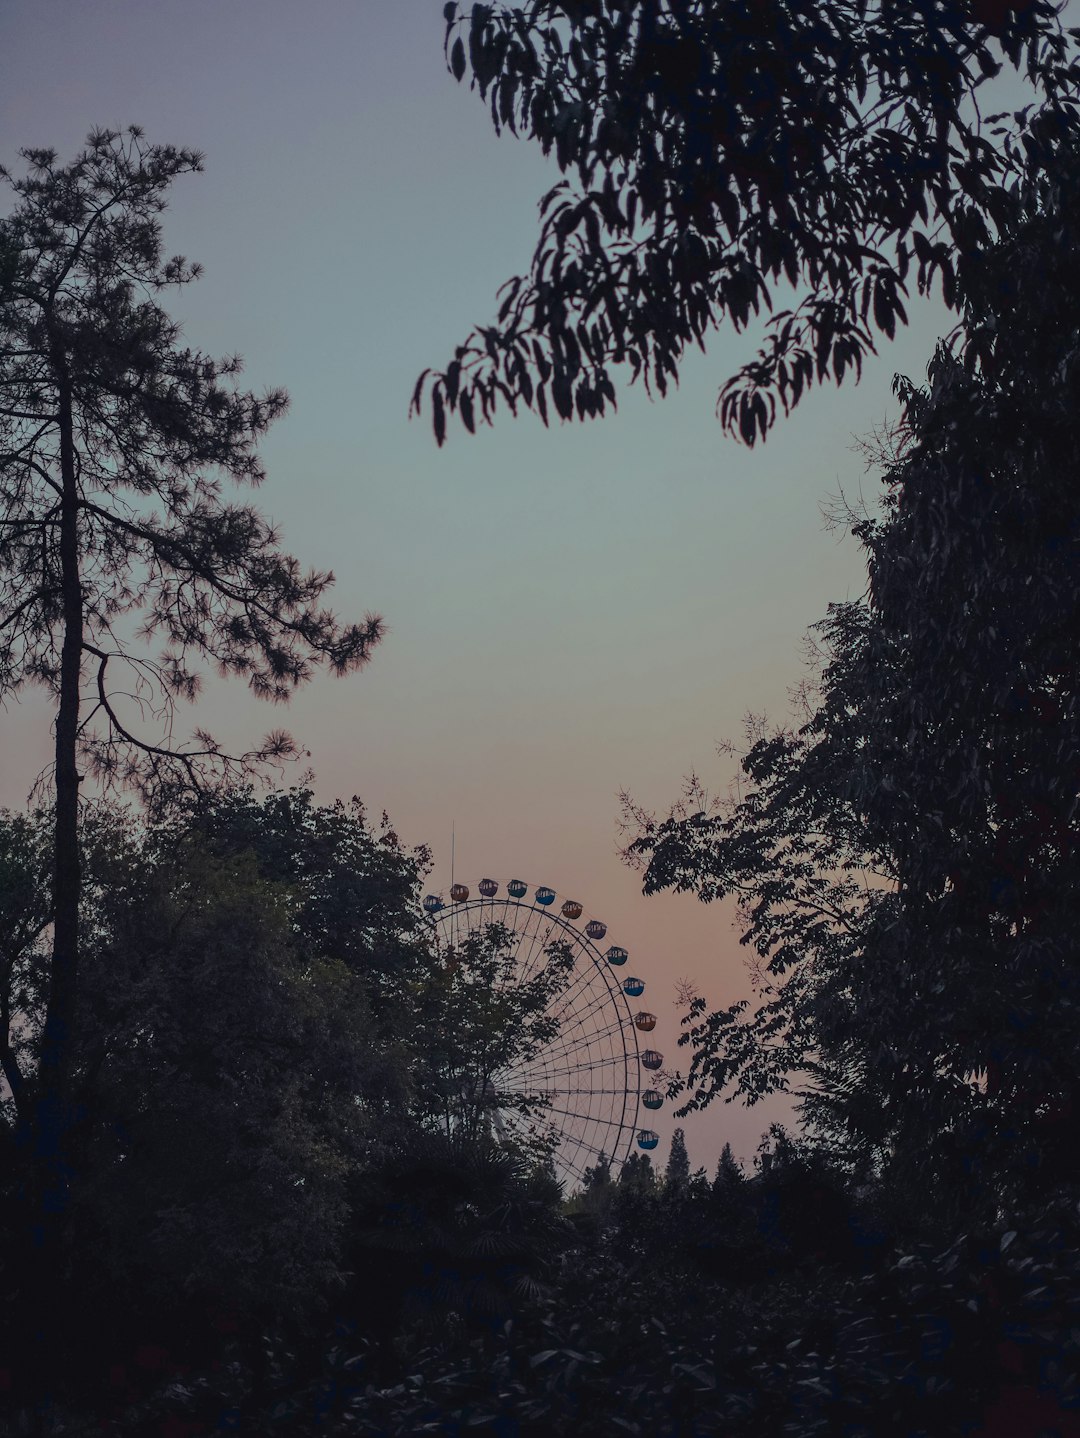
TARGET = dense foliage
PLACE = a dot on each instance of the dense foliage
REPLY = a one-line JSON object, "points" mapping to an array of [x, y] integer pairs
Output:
{"points": [[907, 859], [260, 1111], [293, 1199], [771, 1303], [115, 539], [724, 159]]}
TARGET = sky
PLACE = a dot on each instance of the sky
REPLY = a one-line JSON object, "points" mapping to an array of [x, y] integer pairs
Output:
{"points": [[571, 612]]}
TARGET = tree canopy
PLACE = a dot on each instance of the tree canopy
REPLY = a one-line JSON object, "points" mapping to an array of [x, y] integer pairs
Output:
{"points": [[484, 1021], [115, 538], [238, 1068], [111, 426], [233, 1063], [809, 160], [906, 858]]}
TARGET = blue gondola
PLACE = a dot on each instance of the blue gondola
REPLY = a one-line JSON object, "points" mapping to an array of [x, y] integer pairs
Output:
{"points": [[517, 888], [647, 1139], [432, 904], [545, 895], [616, 955], [634, 987]]}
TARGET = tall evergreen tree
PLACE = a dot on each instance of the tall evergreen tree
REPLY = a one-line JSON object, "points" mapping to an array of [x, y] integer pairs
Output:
{"points": [[677, 1171], [598, 1175], [115, 537], [728, 1170]]}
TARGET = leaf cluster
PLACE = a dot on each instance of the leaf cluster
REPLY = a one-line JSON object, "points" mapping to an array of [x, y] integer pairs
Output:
{"points": [[720, 158]]}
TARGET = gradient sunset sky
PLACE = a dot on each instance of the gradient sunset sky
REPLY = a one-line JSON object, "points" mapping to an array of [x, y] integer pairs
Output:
{"points": [[571, 612]]}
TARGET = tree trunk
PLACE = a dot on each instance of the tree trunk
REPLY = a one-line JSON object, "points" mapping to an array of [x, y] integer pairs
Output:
{"points": [[51, 1160]]}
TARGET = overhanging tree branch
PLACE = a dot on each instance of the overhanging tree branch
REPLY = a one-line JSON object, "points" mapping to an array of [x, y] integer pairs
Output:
{"points": [[721, 154]]}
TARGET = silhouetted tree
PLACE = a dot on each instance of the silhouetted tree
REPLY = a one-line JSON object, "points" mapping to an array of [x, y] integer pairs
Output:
{"points": [[450, 1227], [637, 1171], [598, 1175], [114, 441], [907, 859], [234, 1080], [677, 1171], [717, 154], [728, 1170], [481, 1020], [353, 885]]}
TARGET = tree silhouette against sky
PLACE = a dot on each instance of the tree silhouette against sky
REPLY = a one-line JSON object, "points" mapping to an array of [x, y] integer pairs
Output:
{"points": [[724, 160], [123, 569]]}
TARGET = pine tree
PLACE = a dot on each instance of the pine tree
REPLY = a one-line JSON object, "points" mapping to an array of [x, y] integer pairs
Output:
{"points": [[115, 538], [728, 1170], [677, 1172]]}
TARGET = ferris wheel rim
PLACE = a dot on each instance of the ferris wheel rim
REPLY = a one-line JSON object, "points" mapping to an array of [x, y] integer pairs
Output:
{"points": [[475, 907]]}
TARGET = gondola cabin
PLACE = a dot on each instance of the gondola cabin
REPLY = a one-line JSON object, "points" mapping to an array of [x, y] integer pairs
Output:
{"points": [[459, 893], [645, 1022], [571, 909], [650, 1059], [595, 929], [545, 895], [647, 1139], [616, 955], [517, 888], [634, 987], [432, 903], [652, 1098], [488, 887]]}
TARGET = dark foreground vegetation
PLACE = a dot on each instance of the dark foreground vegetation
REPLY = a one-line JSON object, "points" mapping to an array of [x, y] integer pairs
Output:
{"points": [[248, 1174]]}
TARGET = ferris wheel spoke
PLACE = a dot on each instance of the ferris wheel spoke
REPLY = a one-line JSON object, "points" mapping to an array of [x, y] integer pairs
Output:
{"points": [[572, 1035], [562, 1006], [525, 946], [583, 1060], [585, 975], [547, 930], [583, 1115], [566, 1063], [573, 1032], [553, 1075], [586, 1090], [596, 980], [582, 1086], [584, 1050], [586, 1116], [583, 1056], [536, 938], [580, 1057]]}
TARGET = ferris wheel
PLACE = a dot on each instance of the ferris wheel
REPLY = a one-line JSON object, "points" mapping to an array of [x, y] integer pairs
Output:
{"points": [[582, 1087]]}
